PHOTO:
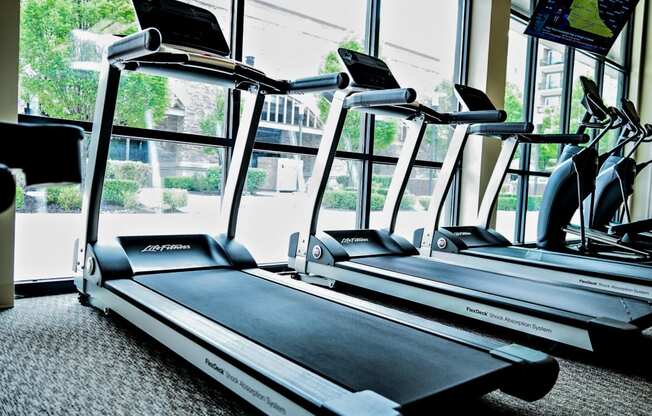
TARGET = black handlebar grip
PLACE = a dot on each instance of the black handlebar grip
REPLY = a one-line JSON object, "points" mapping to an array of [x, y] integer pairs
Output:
{"points": [[133, 46], [336, 81], [395, 96], [555, 138], [484, 116]]}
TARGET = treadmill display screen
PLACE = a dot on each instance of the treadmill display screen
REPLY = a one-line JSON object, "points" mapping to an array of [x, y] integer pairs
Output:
{"points": [[182, 24], [367, 71], [592, 25]]}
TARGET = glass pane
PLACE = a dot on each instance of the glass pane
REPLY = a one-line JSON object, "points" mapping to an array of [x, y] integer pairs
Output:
{"points": [[414, 205], [522, 6], [515, 81], [274, 203], [290, 39], [583, 66], [536, 186], [612, 91], [60, 50], [342, 197], [507, 207], [154, 187], [547, 102], [47, 223], [617, 52], [419, 63]]}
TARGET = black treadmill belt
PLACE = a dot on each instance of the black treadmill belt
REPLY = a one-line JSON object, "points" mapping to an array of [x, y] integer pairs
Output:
{"points": [[351, 348], [577, 301], [571, 262]]}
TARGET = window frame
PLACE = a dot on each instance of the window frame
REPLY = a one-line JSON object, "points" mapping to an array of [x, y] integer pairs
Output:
{"points": [[232, 118]]}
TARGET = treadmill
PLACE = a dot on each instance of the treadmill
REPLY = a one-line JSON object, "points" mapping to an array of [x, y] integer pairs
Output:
{"points": [[381, 261], [286, 347], [552, 260]]}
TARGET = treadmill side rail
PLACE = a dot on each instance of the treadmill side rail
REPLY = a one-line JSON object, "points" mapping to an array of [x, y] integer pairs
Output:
{"points": [[362, 403]]}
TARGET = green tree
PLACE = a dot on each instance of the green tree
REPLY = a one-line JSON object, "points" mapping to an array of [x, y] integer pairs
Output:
{"points": [[384, 132], [513, 102], [48, 49]]}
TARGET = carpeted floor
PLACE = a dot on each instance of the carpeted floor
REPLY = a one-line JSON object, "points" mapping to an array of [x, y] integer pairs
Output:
{"points": [[59, 358]]}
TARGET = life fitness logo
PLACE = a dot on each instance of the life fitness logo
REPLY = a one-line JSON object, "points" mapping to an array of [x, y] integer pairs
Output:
{"points": [[156, 248]]}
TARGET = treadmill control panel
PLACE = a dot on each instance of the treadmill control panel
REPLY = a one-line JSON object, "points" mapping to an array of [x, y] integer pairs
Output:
{"points": [[367, 71]]}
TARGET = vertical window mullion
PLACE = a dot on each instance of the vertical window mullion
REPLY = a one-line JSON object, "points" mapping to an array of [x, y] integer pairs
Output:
{"points": [[372, 47], [567, 90]]}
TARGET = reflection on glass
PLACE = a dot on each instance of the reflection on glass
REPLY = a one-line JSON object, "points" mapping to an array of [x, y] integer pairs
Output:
{"points": [[522, 6], [536, 186], [60, 52], [515, 81], [583, 66], [547, 102], [418, 62], [291, 39]]}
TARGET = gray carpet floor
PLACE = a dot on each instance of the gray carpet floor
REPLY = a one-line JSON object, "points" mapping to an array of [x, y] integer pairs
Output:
{"points": [[60, 358]]}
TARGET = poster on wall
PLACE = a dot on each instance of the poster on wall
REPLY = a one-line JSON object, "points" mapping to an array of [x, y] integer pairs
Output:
{"points": [[591, 25]]}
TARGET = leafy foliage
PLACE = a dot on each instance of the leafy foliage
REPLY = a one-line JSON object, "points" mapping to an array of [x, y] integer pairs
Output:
{"points": [[65, 198], [121, 193], [20, 198], [199, 182], [255, 179], [48, 50], [175, 199], [130, 170]]}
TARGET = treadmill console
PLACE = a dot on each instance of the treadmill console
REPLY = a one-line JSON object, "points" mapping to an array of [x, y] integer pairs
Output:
{"points": [[367, 71], [182, 24], [473, 99]]}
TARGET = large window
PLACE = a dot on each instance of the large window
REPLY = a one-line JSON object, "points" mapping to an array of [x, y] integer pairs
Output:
{"points": [[157, 185], [553, 104]]}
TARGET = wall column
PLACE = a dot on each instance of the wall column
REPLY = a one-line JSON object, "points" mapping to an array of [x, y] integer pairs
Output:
{"points": [[487, 72]]}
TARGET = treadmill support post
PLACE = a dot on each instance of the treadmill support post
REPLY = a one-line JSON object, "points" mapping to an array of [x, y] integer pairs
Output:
{"points": [[444, 182], [239, 165], [492, 192], [417, 129], [323, 164], [98, 152]]}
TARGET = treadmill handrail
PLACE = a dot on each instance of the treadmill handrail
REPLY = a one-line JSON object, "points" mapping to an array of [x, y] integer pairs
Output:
{"points": [[374, 98]]}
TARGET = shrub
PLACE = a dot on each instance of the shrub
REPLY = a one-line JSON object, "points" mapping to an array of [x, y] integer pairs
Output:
{"points": [[199, 182], [129, 170], [20, 198], [121, 192], [255, 179], [179, 182], [534, 202], [65, 198], [424, 201], [507, 203], [378, 201], [174, 199], [381, 181], [214, 179], [346, 200]]}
